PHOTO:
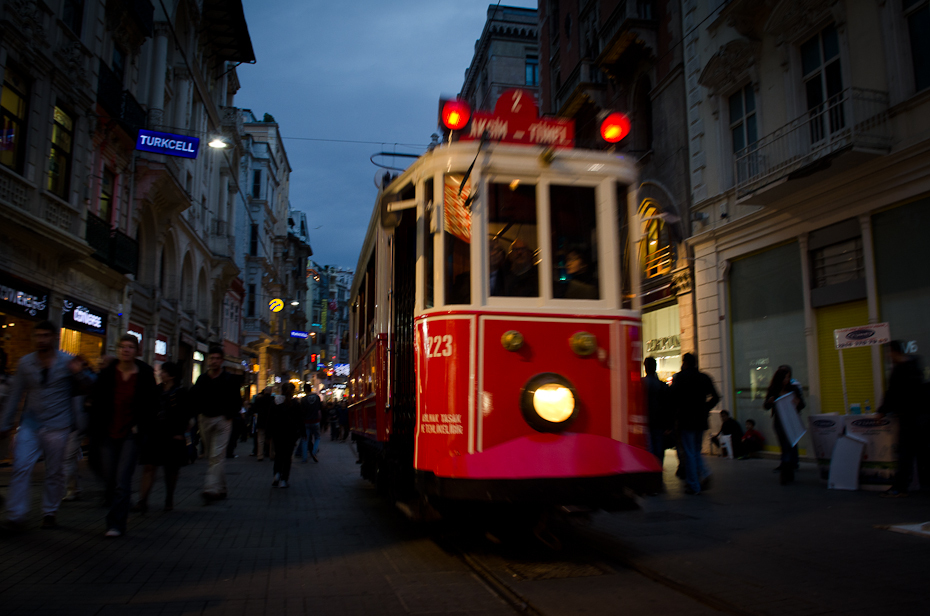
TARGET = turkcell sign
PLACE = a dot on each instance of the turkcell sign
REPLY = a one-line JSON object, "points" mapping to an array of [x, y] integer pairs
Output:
{"points": [[166, 143], [298, 334]]}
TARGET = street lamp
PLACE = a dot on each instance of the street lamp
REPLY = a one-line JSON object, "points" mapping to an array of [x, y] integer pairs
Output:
{"points": [[218, 143]]}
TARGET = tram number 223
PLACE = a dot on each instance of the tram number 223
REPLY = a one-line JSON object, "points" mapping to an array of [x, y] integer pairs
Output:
{"points": [[439, 346]]}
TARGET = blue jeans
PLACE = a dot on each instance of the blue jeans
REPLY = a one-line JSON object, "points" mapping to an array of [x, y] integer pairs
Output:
{"points": [[312, 432], [657, 443], [695, 469], [30, 443]]}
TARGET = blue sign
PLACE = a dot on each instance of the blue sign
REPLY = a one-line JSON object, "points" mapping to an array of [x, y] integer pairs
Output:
{"points": [[166, 143], [297, 334]]}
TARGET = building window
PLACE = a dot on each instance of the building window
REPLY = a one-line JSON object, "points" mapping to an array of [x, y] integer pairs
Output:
{"points": [[250, 307], [13, 110], [823, 83], [838, 263], [119, 64], [918, 27], [743, 118], [253, 241], [106, 194], [657, 252], [256, 184], [72, 15], [532, 71], [59, 161]]}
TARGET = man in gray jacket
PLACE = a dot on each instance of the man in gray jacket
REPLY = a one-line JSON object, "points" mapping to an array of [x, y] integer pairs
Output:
{"points": [[47, 379]]}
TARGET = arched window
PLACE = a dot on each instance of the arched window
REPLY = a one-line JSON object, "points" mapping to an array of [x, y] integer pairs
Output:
{"points": [[657, 245]]}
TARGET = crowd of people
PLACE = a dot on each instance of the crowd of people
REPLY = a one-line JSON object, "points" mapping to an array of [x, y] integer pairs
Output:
{"points": [[126, 416]]}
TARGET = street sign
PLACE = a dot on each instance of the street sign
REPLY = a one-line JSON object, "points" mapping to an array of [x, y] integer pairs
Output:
{"points": [[276, 305], [299, 334], [865, 335]]}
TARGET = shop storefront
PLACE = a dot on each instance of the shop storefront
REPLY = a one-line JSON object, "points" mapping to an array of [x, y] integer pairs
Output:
{"points": [[83, 329], [137, 332], [22, 304], [662, 336], [161, 351]]}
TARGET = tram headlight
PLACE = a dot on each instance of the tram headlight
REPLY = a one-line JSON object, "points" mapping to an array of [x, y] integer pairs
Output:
{"points": [[549, 402]]}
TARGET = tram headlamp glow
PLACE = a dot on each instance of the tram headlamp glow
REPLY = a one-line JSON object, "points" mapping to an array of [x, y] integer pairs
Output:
{"points": [[549, 402], [554, 402]]}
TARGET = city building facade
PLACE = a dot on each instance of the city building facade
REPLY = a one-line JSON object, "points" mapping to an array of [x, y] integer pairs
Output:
{"points": [[96, 235], [598, 57], [809, 138], [506, 56], [329, 288]]}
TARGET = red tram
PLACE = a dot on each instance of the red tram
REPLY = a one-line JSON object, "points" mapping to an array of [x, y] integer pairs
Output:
{"points": [[496, 345]]}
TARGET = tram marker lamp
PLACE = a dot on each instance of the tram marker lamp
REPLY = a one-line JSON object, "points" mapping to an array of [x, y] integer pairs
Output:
{"points": [[455, 114], [615, 127]]}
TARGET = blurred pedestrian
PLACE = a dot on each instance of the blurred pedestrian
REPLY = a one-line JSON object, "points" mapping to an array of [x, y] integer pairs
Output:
{"points": [[261, 409], [656, 394], [164, 442], [342, 412], [286, 426], [45, 381], [904, 401], [216, 398], [693, 396], [729, 427], [312, 408], [73, 451], [783, 385], [124, 401]]}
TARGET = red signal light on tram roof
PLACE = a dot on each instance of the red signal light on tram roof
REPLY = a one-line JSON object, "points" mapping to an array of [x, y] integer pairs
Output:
{"points": [[615, 127], [455, 114]]}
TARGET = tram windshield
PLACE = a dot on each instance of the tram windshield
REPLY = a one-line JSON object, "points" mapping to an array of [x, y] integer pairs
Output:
{"points": [[574, 242], [513, 250], [457, 208]]}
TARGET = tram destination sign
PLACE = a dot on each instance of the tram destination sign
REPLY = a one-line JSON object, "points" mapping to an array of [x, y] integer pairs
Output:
{"points": [[516, 120], [167, 143]]}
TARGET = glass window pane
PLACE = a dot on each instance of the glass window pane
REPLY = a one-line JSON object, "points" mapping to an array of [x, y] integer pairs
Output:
{"points": [[736, 107], [810, 55], [751, 136], [64, 119], [513, 244], [750, 99], [428, 252], [834, 79], [918, 25], [456, 252], [814, 93], [738, 141], [574, 242], [831, 43]]}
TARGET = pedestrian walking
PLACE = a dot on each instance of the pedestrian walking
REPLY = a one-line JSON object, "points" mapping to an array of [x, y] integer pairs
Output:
{"points": [[782, 384], [45, 382], [904, 400], [261, 409], [286, 425], [656, 394], [312, 408], [123, 405], [216, 398], [73, 450], [342, 412], [164, 443], [693, 396]]}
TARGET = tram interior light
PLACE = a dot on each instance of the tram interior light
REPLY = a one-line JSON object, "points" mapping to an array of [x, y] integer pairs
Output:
{"points": [[615, 127], [554, 402], [455, 114]]}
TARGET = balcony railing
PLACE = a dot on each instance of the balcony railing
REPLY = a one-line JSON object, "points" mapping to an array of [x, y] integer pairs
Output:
{"points": [[626, 10], [112, 246], [17, 193], [255, 324], [855, 118], [119, 103]]}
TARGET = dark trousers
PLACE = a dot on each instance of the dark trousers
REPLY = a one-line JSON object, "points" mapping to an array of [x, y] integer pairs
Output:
{"points": [[789, 454], [912, 446], [119, 457], [284, 448]]}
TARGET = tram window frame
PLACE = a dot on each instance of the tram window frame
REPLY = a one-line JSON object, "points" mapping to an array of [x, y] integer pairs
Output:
{"points": [[591, 251], [513, 183], [456, 251], [428, 244]]}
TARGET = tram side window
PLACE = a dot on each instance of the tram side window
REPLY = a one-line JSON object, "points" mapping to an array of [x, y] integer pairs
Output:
{"points": [[371, 290], [513, 249], [574, 242], [428, 246], [457, 224]]}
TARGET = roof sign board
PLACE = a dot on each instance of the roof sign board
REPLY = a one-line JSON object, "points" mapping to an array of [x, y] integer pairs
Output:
{"points": [[865, 335], [167, 143], [516, 120]]}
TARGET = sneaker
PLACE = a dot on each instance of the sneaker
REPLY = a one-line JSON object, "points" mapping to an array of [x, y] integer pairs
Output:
{"points": [[71, 497], [688, 490], [283, 483], [14, 526], [113, 532], [140, 507], [49, 522], [706, 483], [314, 458], [892, 493], [276, 481]]}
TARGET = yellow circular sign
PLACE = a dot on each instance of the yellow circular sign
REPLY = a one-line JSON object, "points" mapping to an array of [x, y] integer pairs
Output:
{"points": [[276, 305]]}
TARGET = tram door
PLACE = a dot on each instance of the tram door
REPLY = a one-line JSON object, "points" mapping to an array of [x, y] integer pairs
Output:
{"points": [[403, 296]]}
